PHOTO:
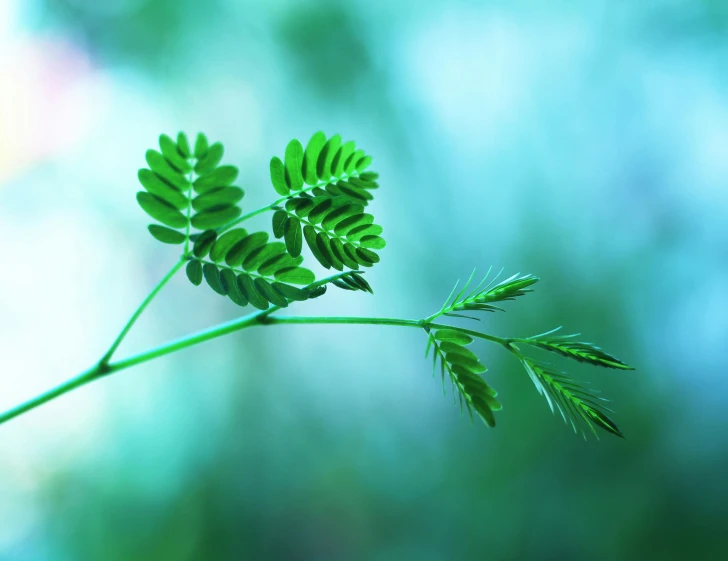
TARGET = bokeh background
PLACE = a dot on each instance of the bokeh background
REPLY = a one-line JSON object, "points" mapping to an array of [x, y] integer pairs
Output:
{"points": [[585, 142]]}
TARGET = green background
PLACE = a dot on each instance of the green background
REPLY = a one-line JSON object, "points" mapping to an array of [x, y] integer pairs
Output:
{"points": [[586, 143]]}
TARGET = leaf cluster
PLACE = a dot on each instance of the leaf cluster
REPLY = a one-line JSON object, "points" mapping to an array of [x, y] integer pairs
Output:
{"points": [[463, 367]]}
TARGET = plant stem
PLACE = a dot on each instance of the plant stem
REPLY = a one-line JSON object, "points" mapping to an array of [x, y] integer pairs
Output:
{"points": [[65, 387], [104, 368], [140, 310]]}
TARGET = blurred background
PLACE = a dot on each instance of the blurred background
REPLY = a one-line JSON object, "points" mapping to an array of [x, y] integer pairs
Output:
{"points": [[586, 143]]}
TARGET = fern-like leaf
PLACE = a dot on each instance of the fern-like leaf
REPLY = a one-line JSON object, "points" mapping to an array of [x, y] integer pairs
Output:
{"points": [[577, 406], [186, 189], [463, 368], [566, 346], [484, 295]]}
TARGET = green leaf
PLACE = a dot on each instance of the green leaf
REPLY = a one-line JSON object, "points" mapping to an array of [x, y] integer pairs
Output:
{"points": [[173, 155], [210, 160], [203, 243], [212, 276], [355, 193], [337, 249], [322, 242], [453, 336], [372, 242], [363, 163], [229, 283], [161, 210], [220, 177], [278, 176], [290, 292], [352, 222], [274, 263], [294, 236], [161, 189], [310, 158], [565, 345], [166, 235], [261, 254], [312, 241], [225, 243], [194, 272], [294, 163], [318, 212], [250, 292], [357, 233], [215, 217], [240, 251], [366, 257], [369, 176], [269, 293], [217, 197], [161, 167], [323, 166], [341, 156], [351, 161], [279, 223], [295, 275], [201, 146], [184, 145], [339, 214]]}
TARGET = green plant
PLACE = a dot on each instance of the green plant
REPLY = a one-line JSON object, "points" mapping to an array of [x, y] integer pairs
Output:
{"points": [[325, 190]]}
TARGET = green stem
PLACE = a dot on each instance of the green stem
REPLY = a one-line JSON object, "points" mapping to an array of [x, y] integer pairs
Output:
{"points": [[140, 309], [104, 368], [65, 387]]}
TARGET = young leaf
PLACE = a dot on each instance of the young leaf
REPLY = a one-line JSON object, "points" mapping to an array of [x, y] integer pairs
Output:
{"points": [[294, 236]]}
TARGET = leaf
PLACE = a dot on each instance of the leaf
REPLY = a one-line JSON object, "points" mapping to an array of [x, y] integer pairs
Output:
{"points": [[290, 292], [318, 212], [323, 166], [352, 222], [294, 236], [222, 176], [261, 254], [225, 243], [201, 146], [453, 336], [338, 215], [372, 242], [184, 145], [295, 275], [279, 223], [366, 257], [240, 251], [215, 217], [310, 158], [172, 154], [564, 345], [161, 167], [194, 272], [250, 292], [219, 196], [357, 233], [166, 235], [293, 164], [210, 160], [337, 249], [229, 282], [269, 293], [322, 242], [309, 233], [342, 155], [576, 405], [278, 176], [161, 189], [212, 276], [204, 243], [161, 211]]}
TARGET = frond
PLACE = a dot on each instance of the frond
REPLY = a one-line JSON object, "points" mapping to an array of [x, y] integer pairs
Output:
{"points": [[482, 297], [327, 189], [463, 368], [186, 189], [579, 407], [566, 346]]}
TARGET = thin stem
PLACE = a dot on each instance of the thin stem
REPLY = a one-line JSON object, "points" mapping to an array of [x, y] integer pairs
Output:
{"points": [[346, 320], [140, 310], [65, 387]]}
